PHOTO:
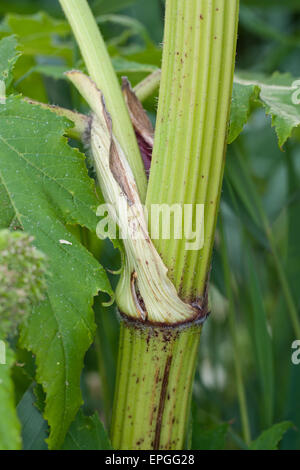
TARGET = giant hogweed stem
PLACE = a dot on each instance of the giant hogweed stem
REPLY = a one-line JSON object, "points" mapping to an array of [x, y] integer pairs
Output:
{"points": [[144, 291]]}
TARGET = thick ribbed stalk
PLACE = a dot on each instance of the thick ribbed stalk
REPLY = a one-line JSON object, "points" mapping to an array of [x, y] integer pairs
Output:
{"points": [[194, 102], [154, 378], [100, 69]]}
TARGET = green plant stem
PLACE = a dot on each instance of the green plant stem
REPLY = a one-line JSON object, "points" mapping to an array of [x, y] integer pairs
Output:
{"points": [[100, 69], [233, 331], [154, 379], [147, 87], [190, 138]]}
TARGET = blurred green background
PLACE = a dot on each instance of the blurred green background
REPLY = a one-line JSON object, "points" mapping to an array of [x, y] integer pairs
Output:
{"points": [[249, 331]]}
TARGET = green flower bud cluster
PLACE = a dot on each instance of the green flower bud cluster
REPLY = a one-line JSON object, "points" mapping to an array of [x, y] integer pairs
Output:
{"points": [[22, 279]]}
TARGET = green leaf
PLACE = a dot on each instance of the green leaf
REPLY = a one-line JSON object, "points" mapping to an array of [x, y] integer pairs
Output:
{"points": [[34, 427], [29, 6], [242, 97], [270, 439], [86, 433], [8, 57], [23, 372], [47, 185], [40, 34], [279, 94], [10, 430]]}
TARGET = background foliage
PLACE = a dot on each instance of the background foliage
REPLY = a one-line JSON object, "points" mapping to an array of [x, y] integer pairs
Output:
{"points": [[247, 340]]}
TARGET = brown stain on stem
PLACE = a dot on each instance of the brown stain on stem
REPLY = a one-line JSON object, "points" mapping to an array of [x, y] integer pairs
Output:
{"points": [[162, 401]]}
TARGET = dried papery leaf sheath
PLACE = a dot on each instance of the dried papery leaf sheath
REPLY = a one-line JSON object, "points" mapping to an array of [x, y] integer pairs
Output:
{"points": [[144, 291], [141, 123]]}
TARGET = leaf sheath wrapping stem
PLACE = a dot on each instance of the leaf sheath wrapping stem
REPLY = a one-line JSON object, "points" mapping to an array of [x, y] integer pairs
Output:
{"points": [[144, 290]]}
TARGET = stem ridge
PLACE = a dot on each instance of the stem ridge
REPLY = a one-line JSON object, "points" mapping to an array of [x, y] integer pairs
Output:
{"points": [[156, 369]]}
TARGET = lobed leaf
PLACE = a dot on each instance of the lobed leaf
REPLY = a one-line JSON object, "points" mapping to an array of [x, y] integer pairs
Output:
{"points": [[280, 96], [46, 187], [270, 439], [242, 97], [39, 34]]}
